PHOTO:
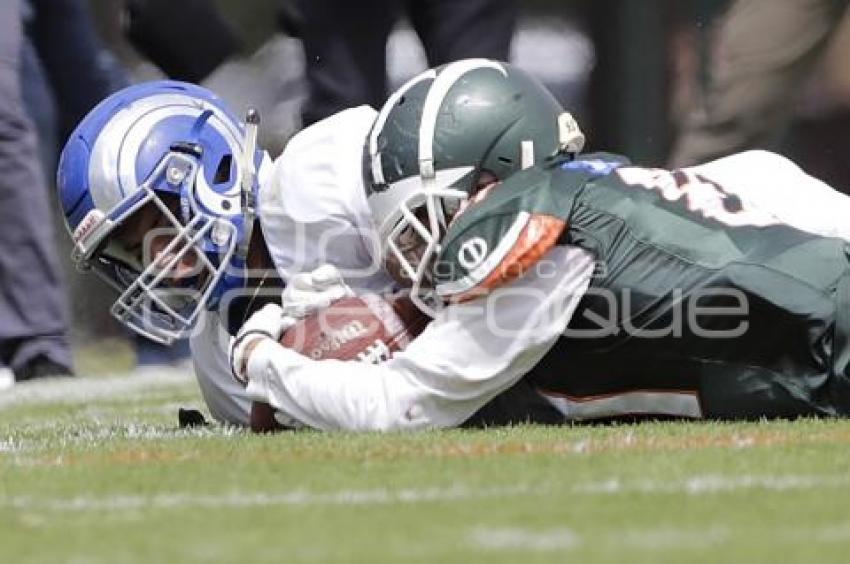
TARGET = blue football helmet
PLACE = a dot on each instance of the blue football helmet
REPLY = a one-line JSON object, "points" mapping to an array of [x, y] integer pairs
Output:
{"points": [[175, 146]]}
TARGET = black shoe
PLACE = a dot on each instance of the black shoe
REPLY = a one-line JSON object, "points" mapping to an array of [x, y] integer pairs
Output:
{"points": [[191, 418], [42, 367]]}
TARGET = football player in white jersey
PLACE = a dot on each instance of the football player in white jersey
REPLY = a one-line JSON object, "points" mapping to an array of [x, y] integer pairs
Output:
{"points": [[161, 187]]}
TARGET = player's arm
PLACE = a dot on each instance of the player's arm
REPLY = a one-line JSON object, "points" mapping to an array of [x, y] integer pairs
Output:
{"points": [[467, 355]]}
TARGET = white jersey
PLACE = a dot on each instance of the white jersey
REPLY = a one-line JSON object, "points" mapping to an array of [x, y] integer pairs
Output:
{"points": [[225, 397], [471, 352], [313, 210]]}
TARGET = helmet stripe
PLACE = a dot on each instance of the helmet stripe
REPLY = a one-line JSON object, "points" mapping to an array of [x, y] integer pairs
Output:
{"points": [[115, 150], [431, 109], [381, 121]]}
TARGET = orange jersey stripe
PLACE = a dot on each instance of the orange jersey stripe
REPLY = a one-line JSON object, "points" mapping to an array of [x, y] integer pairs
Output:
{"points": [[537, 238]]}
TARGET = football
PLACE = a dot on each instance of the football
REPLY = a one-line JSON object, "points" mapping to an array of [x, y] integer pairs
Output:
{"points": [[367, 328]]}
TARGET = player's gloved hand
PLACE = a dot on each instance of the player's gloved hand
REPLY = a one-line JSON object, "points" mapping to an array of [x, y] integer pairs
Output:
{"points": [[268, 323], [308, 291]]}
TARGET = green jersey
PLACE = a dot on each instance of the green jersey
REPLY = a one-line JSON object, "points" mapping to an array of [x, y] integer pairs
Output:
{"points": [[694, 292]]}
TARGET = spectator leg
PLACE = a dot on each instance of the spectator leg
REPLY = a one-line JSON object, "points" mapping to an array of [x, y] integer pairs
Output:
{"points": [[33, 309], [345, 51], [765, 50], [452, 30]]}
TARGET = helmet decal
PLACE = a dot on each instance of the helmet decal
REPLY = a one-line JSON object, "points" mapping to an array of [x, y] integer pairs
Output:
{"points": [[570, 137], [472, 253], [89, 223]]}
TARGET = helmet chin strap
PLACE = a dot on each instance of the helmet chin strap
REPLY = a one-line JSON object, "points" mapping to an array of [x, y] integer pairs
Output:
{"points": [[249, 172]]}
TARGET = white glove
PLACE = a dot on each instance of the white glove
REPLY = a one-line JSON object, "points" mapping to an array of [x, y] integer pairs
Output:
{"points": [[268, 323], [308, 291]]}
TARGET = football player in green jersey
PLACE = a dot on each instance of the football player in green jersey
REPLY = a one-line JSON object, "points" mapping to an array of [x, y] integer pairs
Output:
{"points": [[718, 291]]}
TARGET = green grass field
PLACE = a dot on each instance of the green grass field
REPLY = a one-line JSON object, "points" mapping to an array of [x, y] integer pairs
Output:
{"points": [[96, 470]]}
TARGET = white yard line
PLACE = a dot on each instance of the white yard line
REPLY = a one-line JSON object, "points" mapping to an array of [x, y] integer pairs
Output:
{"points": [[297, 498], [9, 445], [561, 538], [698, 485], [838, 532], [716, 483], [79, 390], [520, 538]]}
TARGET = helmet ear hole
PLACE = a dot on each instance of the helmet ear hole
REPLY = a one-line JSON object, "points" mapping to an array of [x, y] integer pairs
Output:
{"points": [[223, 170]]}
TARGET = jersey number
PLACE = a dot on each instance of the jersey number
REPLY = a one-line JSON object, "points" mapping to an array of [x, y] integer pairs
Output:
{"points": [[699, 194]]}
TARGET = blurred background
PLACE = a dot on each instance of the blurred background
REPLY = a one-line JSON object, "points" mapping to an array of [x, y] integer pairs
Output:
{"points": [[665, 82]]}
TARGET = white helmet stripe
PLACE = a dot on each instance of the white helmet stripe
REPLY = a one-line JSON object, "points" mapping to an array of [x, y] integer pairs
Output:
{"points": [[436, 94], [116, 149], [381, 120]]}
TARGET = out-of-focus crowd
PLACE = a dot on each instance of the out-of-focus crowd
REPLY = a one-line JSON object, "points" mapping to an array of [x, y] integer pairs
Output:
{"points": [[666, 82]]}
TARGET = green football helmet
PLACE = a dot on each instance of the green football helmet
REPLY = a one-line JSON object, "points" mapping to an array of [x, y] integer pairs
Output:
{"points": [[436, 135]]}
